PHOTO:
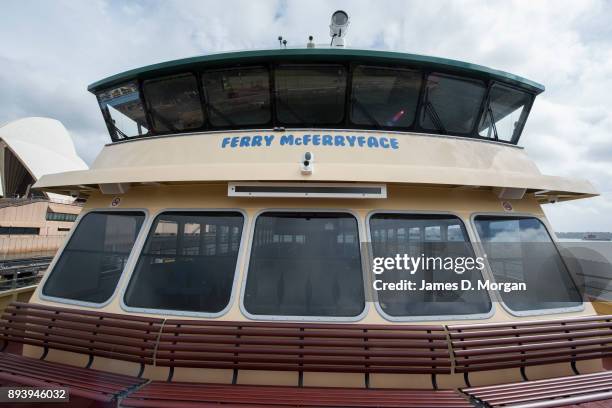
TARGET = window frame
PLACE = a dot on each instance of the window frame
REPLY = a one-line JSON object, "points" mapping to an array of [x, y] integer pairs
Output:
{"points": [[336, 319], [106, 115], [348, 75], [129, 264], [351, 97], [477, 252], [518, 132], [472, 133], [499, 298], [187, 313], [205, 97], [148, 108]]}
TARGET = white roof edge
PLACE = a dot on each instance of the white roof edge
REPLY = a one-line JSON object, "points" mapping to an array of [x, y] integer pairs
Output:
{"points": [[359, 173]]}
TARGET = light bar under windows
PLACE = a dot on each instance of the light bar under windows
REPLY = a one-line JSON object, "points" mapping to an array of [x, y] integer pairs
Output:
{"points": [[305, 190]]}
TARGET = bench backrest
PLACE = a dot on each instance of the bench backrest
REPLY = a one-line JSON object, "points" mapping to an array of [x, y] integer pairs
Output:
{"points": [[304, 347], [307, 347], [505, 345], [116, 336]]}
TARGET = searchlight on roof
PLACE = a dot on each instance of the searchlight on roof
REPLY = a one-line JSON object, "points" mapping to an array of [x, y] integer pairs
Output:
{"points": [[338, 28]]}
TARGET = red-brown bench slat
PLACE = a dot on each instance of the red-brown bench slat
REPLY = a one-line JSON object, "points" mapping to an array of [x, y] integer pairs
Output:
{"points": [[102, 342], [358, 343], [126, 332], [549, 392], [81, 312], [345, 333], [315, 352], [537, 346], [527, 323], [490, 340], [546, 326], [161, 394], [312, 325]]}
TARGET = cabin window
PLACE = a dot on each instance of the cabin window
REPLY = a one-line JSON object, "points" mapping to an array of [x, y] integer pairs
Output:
{"points": [[90, 265], [451, 104], [123, 111], [310, 95], [505, 113], [174, 103], [430, 237], [238, 97], [188, 262], [305, 264], [385, 97], [520, 250]]}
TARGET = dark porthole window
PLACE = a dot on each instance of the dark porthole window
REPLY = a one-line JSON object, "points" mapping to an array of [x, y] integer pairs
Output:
{"points": [[238, 97], [385, 96], [310, 95], [305, 264], [188, 262], [90, 265], [451, 104], [430, 237], [174, 103], [520, 251]]}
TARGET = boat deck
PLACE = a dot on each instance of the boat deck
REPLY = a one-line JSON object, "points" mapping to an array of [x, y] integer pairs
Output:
{"points": [[301, 348]]}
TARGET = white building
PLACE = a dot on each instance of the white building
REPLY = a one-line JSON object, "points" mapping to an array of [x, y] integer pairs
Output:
{"points": [[30, 148]]}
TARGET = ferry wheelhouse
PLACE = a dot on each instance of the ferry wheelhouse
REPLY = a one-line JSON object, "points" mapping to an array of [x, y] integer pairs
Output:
{"points": [[224, 252]]}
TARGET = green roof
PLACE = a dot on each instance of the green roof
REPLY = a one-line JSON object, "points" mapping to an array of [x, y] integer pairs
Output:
{"points": [[318, 55]]}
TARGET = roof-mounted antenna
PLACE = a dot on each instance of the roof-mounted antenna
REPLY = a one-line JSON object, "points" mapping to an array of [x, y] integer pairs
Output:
{"points": [[310, 43], [280, 41], [338, 28]]}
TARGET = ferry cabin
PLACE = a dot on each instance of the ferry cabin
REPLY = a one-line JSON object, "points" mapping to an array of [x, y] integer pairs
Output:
{"points": [[246, 189]]}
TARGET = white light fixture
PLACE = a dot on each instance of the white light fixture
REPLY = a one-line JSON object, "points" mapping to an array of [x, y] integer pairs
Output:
{"points": [[338, 28]]}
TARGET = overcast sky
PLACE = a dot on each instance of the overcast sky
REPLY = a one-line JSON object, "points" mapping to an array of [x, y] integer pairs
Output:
{"points": [[51, 50]]}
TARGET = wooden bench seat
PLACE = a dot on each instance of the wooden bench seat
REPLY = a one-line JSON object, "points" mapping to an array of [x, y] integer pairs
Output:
{"points": [[554, 392], [189, 395], [520, 345], [496, 346], [93, 334], [304, 347], [298, 347], [83, 382]]}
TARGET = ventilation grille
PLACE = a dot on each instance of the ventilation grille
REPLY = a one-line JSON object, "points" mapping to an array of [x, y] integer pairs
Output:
{"points": [[305, 190]]}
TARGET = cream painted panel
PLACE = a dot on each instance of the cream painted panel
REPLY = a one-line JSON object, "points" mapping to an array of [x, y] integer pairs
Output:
{"points": [[420, 159]]}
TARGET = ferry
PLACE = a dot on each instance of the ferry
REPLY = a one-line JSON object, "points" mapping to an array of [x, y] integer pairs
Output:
{"points": [[224, 256]]}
